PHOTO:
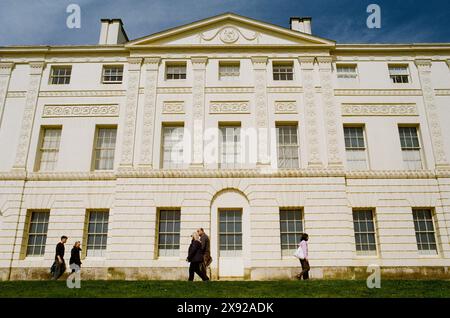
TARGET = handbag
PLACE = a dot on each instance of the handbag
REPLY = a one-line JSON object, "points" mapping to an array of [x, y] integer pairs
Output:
{"points": [[299, 253]]}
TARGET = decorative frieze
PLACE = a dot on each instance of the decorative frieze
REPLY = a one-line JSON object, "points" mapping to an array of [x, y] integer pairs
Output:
{"points": [[378, 109], [148, 126], [173, 107], [331, 111], [221, 173], [424, 67], [229, 107], [129, 127], [198, 97], [83, 93], [81, 110], [312, 128], [285, 107], [36, 69], [261, 112]]}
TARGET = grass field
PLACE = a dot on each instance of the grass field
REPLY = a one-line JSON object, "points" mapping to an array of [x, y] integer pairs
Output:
{"points": [[227, 289]]}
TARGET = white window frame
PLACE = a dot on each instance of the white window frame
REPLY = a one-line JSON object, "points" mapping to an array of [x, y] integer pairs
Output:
{"points": [[368, 252], [169, 252], [431, 252], [98, 150], [394, 72], [172, 163], [347, 76], [356, 151], [277, 71], [281, 147], [289, 248], [118, 73], [235, 251], [181, 76], [97, 250], [60, 79], [35, 234], [226, 145], [410, 152], [229, 71], [44, 152]]}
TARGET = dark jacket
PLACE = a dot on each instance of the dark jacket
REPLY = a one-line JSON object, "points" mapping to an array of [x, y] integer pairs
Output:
{"points": [[75, 256], [195, 254], [60, 250], [204, 239]]}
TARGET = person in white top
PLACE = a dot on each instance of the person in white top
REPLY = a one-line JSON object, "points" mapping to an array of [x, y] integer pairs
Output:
{"points": [[304, 261]]}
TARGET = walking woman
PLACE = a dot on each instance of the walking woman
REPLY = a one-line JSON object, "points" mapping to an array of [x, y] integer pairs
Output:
{"points": [[75, 257], [195, 257], [304, 261]]}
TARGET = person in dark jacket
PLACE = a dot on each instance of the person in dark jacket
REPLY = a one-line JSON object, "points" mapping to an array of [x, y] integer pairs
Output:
{"points": [[59, 266], [195, 257], [206, 248], [75, 257]]}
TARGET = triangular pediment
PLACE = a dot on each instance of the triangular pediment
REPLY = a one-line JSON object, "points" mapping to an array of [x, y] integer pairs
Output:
{"points": [[231, 30]]}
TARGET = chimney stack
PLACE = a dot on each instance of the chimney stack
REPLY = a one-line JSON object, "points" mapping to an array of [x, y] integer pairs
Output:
{"points": [[301, 24], [112, 32]]}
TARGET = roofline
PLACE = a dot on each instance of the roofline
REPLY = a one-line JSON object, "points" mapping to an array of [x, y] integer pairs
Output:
{"points": [[229, 14]]}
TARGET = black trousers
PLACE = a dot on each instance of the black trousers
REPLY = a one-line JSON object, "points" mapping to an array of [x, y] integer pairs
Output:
{"points": [[305, 269], [197, 268]]}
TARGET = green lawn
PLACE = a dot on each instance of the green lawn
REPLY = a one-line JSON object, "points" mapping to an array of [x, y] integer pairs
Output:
{"points": [[237, 289]]}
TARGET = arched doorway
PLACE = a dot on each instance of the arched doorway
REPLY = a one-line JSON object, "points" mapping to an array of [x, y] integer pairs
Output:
{"points": [[230, 233]]}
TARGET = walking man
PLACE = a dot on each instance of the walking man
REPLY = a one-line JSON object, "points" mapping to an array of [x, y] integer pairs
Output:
{"points": [[206, 248], [59, 266]]}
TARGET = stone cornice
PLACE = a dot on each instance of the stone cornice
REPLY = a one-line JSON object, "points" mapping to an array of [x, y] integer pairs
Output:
{"points": [[223, 173]]}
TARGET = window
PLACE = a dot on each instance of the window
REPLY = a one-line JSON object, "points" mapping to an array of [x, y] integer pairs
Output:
{"points": [[423, 225], [37, 233], [112, 74], [169, 233], [283, 71], [230, 146], [287, 147], [175, 71], [355, 148], [49, 149], [399, 74], [230, 233], [364, 232], [60, 75], [97, 233], [228, 71], [409, 141], [172, 147], [105, 145], [346, 72], [291, 229]]}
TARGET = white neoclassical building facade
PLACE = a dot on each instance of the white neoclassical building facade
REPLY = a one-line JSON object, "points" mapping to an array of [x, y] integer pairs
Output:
{"points": [[254, 132]]}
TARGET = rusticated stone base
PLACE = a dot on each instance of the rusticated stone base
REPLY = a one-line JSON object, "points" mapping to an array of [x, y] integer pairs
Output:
{"points": [[176, 273]]}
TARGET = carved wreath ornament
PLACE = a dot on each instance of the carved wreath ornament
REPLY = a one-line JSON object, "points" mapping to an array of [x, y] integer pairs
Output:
{"points": [[228, 35]]}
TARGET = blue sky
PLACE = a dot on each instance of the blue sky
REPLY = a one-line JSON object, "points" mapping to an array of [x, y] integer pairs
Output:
{"points": [[26, 22]]}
